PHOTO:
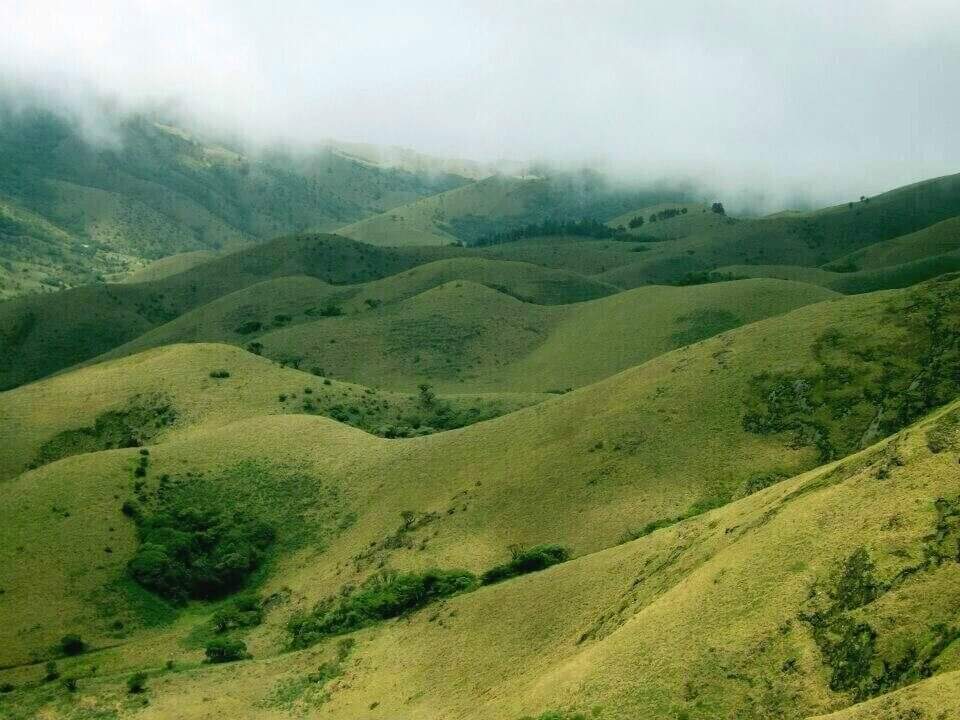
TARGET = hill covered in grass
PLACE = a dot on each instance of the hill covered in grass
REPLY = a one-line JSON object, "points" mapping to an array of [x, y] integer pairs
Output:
{"points": [[73, 209], [43, 334], [470, 214], [759, 528], [811, 239], [176, 390], [465, 335]]}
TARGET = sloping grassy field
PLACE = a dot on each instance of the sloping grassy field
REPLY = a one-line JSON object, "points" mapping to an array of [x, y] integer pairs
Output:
{"points": [[464, 335], [715, 615], [169, 392]]}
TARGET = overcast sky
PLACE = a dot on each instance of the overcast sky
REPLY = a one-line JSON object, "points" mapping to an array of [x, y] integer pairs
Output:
{"points": [[831, 98]]}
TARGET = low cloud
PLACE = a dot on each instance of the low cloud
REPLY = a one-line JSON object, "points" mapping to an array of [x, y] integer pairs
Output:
{"points": [[781, 102]]}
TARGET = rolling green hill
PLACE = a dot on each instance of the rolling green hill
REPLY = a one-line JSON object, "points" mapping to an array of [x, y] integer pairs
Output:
{"points": [[242, 316], [713, 557], [465, 335], [660, 223], [171, 392], [42, 334], [806, 239], [73, 210], [473, 212]]}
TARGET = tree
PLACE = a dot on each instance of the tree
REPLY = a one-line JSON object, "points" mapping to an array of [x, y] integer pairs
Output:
{"points": [[717, 207], [137, 683], [72, 644]]}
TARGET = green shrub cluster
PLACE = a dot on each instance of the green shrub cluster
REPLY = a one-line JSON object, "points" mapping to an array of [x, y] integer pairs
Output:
{"points": [[193, 553], [243, 611], [526, 561], [383, 596], [221, 650], [72, 644]]}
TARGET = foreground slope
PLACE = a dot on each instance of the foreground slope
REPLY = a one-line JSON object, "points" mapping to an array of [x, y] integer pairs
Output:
{"points": [[637, 451], [813, 595]]}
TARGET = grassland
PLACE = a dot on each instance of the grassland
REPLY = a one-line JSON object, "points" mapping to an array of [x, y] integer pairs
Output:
{"points": [[320, 478], [806, 239], [706, 611], [468, 336]]}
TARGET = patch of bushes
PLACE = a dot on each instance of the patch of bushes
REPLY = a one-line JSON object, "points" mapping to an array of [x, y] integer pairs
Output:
{"points": [[251, 326], [586, 227], [871, 384], [243, 611], [192, 553], [72, 644], [220, 374], [526, 561], [704, 277], [142, 419], [381, 597], [137, 683], [222, 650]]}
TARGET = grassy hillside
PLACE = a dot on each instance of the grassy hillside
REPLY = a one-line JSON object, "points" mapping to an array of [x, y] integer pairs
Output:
{"points": [[173, 391], [429, 220], [859, 281], [243, 316], [938, 239], [152, 190], [169, 265], [464, 335], [659, 222], [807, 239], [43, 334], [497, 203], [802, 597]]}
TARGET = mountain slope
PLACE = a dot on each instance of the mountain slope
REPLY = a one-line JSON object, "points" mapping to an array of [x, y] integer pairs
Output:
{"points": [[42, 334], [152, 190], [715, 615], [463, 335], [807, 239]]}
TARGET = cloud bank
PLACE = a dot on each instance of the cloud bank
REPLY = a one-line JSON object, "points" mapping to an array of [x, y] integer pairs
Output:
{"points": [[825, 100]]}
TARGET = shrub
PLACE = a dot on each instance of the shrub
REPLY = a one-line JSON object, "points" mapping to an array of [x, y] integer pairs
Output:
{"points": [[137, 683], [526, 561], [221, 650], [72, 644], [248, 327], [7, 688], [52, 673], [70, 684], [331, 310], [382, 596], [191, 553], [243, 611], [220, 374]]}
